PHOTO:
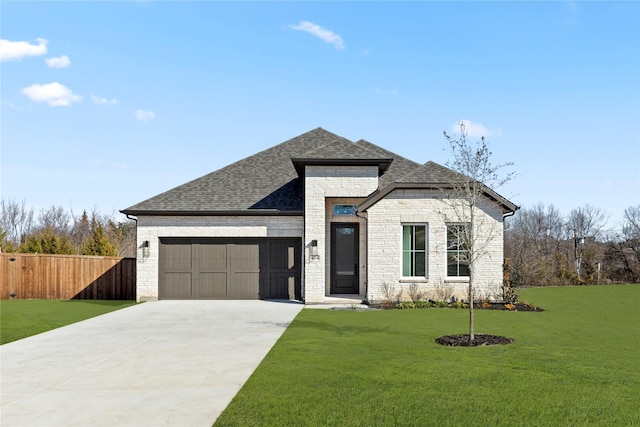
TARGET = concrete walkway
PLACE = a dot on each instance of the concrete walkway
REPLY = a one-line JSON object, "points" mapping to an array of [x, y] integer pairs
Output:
{"points": [[167, 363]]}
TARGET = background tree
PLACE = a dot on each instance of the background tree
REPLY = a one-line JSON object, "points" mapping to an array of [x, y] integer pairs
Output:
{"points": [[586, 224], [622, 254], [47, 241], [16, 221], [475, 175], [98, 243], [57, 231], [123, 236], [533, 242]]}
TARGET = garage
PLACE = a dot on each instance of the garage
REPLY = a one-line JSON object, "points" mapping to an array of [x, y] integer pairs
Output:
{"points": [[211, 268]]}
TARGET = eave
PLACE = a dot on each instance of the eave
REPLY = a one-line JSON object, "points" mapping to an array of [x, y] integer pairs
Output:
{"points": [[261, 212], [507, 206], [300, 163]]}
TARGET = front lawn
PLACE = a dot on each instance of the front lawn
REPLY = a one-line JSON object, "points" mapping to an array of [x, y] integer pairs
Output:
{"points": [[577, 363], [23, 318]]}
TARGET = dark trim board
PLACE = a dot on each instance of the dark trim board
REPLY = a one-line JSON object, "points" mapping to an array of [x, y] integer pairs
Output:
{"points": [[230, 268]]}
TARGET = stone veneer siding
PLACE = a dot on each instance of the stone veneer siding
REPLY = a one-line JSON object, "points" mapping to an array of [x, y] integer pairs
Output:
{"points": [[385, 220], [152, 228], [322, 182]]}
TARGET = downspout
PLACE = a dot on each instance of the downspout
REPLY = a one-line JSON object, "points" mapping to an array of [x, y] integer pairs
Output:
{"points": [[366, 248], [512, 213], [504, 260], [134, 218]]}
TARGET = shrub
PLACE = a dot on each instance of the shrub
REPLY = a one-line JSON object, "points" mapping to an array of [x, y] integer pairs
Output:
{"points": [[459, 304]]}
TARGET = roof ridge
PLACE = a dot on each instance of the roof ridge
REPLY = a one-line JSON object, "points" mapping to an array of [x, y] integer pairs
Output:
{"points": [[370, 145]]}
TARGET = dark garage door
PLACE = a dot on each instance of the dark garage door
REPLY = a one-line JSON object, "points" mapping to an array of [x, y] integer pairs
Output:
{"points": [[229, 268]]}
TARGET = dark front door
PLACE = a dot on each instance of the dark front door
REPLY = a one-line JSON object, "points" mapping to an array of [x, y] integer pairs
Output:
{"points": [[344, 258]]}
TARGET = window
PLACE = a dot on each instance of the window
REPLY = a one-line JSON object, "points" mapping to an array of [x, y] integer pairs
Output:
{"points": [[414, 250], [457, 252], [344, 209]]}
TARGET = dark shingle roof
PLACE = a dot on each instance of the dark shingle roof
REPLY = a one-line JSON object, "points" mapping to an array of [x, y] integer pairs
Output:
{"points": [[400, 166], [267, 182], [430, 172]]}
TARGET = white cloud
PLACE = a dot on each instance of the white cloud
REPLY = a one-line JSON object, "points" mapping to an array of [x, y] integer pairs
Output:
{"points": [[145, 116], [55, 94], [323, 34], [387, 92], [59, 62], [103, 101], [475, 129], [10, 105], [16, 50]]}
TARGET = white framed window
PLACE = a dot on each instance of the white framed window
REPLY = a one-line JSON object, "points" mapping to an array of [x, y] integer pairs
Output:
{"points": [[414, 250], [458, 238]]}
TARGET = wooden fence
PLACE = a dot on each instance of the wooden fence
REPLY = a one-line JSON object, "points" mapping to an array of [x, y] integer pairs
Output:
{"points": [[32, 276]]}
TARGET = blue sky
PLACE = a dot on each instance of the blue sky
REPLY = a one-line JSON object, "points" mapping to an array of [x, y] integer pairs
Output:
{"points": [[105, 104]]}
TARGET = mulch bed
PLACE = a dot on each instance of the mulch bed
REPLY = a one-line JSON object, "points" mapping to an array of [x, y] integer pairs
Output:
{"points": [[519, 306], [478, 341]]}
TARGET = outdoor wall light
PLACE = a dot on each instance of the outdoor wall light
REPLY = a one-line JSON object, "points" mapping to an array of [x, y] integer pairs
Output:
{"points": [[145, 248], [314, 249]]}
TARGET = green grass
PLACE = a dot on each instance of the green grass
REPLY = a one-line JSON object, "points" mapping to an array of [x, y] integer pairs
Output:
{"points": [[577, 363], [23, 318]]}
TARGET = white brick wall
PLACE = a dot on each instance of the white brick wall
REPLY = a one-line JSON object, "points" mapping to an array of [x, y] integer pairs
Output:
{"points": [[381, 235], [323, 182], [152, 228], [385, 220]]}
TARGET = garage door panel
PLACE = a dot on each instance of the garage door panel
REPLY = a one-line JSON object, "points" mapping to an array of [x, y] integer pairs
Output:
{"points": [[212, 285], [244, 257], [179, 258], [212, 257], [282, 255], [244, 286], [177, 285], [282, 285], [218, 268]]}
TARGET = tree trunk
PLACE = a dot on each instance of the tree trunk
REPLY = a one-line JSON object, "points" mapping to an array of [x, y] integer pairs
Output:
{"points": [[471, 329]]}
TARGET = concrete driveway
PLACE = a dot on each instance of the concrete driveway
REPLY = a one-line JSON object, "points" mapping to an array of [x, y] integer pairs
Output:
{"points": [[167, 363]]}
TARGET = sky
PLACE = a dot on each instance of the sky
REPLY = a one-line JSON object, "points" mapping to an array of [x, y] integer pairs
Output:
{"points": [[106, 104]]}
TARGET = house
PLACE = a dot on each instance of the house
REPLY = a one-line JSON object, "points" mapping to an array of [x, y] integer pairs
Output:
{"points": [[316, 218]]}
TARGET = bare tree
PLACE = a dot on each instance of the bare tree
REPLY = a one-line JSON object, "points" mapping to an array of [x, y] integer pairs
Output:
{"points": [[476, 177], [15, 220], [586, 224], [55, 219], [533, 242], [623, 249]]}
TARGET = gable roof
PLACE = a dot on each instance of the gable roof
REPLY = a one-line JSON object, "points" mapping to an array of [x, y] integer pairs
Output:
{"points": [[431, 175], [269, 182]]}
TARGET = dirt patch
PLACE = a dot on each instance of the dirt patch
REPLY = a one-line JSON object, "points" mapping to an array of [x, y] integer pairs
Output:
{"points": [[479, 340]]}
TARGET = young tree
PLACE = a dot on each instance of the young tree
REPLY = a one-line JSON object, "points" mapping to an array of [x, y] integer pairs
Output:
{"points": [[476, 175]]}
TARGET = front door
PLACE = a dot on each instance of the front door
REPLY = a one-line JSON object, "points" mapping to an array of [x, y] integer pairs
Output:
{"points": [[344, 258]]}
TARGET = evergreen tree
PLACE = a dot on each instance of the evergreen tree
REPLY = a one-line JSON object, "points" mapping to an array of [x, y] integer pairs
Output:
{"points": [[47, 242], [98, 243]]}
